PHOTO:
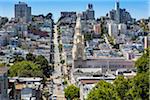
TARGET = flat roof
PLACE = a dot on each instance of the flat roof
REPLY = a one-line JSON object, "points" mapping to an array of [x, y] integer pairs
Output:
{"points": [[26, 79]]}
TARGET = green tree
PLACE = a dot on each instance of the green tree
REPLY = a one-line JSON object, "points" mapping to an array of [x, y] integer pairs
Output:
{"points": [[60, 46], [143, 63], [103, 91], [65, 82], [18, 58], [25, 69], [140, 87], [62, 61], [136, 88], [121, 86], [87, 37], [42, 61], [2, 65], [144, 26], [30, 57], [111, 40], [43, 65], [72, 92]]}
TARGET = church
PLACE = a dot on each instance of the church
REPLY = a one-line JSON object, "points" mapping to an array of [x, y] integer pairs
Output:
{"points": [[83, 66]]}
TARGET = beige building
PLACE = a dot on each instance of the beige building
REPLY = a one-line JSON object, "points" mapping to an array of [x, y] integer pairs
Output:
{"points": [[78, 47], [146, 42]]}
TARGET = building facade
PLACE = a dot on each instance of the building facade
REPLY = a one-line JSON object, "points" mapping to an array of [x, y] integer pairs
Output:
{"points": [[23, 11], [112, 29], [122, 28], [89, 14], [3, 83]]}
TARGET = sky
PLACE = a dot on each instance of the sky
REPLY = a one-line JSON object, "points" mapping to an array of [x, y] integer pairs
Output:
{"points": [[137, 8]]}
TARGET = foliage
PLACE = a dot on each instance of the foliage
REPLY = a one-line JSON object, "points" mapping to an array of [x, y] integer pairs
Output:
{"points": [[111, 40], [102, 91], [2, 65], [136, 88], [30, 57], [40, 60], [18, 58], [142, 63], [72, 92], [62, 61], [116, 46], [139, 87], [60, 46], [134, 38], [121, 86], [43, 65], [65, 82], [25, 69], [59, 32], [144, 26], [87, 37]]}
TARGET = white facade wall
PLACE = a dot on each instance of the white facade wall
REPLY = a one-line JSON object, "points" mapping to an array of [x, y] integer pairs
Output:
{"points": [[122, 28], [112, 29]]}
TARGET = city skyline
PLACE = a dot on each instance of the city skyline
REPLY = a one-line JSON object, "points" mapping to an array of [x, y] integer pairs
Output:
{"points": [[55, 7], [74, 49]]}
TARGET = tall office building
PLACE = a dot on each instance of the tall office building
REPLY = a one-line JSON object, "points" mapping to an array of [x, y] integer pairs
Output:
{"points": [[117, 5], [23, 11], [117, 8], [119, 15]]}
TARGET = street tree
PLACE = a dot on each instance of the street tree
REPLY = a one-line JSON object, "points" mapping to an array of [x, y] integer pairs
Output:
{"points": [[143, 63], [72, 92], [102, 91], [25, 69], [30, 57]]}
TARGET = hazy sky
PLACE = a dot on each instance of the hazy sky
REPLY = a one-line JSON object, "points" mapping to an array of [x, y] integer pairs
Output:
{"points": [[137, 8]]}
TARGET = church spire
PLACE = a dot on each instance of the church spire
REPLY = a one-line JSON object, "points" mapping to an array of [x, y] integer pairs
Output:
{"points": [[78, 48], [78, 25]]}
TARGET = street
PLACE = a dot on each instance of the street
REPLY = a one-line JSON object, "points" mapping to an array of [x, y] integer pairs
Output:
{"points": [[57, 92]]}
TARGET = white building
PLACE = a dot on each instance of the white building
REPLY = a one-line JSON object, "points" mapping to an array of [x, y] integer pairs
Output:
{"points": [[122, 28], [112, 29]]}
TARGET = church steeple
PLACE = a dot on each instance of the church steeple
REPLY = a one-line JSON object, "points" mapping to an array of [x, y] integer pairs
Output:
{"points": [[78, 48], [78, 27]]}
